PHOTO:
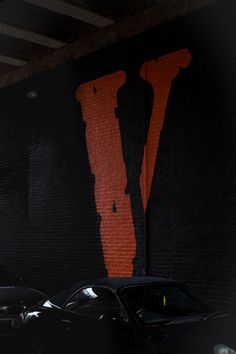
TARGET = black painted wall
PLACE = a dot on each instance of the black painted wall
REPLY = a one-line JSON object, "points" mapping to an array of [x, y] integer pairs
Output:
{"points": [[49, 225]]}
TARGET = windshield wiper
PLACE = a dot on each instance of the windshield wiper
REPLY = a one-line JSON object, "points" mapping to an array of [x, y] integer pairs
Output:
{"points": [[198, 317], [216, 314], [185, 319]]}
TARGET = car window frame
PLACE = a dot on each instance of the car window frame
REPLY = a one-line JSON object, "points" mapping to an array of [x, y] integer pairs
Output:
{"points": [[92, 286], [130, 311]]}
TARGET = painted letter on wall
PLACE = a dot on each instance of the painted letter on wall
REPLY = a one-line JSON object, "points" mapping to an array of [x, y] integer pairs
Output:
{"points": [[114, 200], [98, 101]]}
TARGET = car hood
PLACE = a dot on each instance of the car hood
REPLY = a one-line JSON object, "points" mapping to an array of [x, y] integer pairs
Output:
{"points": [[219, 326], [199, 334]]}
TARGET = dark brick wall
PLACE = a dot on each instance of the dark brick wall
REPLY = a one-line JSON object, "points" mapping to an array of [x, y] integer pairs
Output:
{"points": [[49, 225], [192, 206], [49, 222]]}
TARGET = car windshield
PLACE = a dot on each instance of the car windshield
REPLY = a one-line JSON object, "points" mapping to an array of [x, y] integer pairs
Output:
{"points": [[60, 298], [155, 303]]}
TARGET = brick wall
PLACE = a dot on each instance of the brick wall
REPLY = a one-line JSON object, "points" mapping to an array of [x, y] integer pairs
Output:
{"points": [[67, 213]]}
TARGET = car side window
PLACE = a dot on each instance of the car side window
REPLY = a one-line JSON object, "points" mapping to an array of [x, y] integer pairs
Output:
{"points": [[93, 302]]}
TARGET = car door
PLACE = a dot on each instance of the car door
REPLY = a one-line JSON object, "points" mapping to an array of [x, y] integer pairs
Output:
{"points": [[93, 319]]}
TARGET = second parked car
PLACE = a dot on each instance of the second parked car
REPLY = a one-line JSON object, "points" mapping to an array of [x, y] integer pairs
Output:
{"points": [[14, 299]]}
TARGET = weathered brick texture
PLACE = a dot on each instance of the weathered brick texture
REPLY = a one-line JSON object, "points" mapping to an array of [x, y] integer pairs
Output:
{"points": [[49, 221]]}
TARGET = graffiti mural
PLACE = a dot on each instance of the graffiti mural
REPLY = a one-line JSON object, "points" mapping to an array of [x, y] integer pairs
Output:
{"points": [[123, 162], [124, 115]]}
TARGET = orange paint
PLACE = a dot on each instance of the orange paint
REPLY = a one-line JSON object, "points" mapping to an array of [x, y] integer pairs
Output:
{"points": [[98, 101], [160, 74]]}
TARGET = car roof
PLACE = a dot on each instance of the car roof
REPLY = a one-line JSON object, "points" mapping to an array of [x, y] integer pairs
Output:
{"points": [[116, 283], [113, 283]]}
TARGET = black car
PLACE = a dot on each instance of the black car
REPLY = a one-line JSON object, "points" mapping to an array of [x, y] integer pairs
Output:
{"points": [[128, 315], [14, 298]]}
